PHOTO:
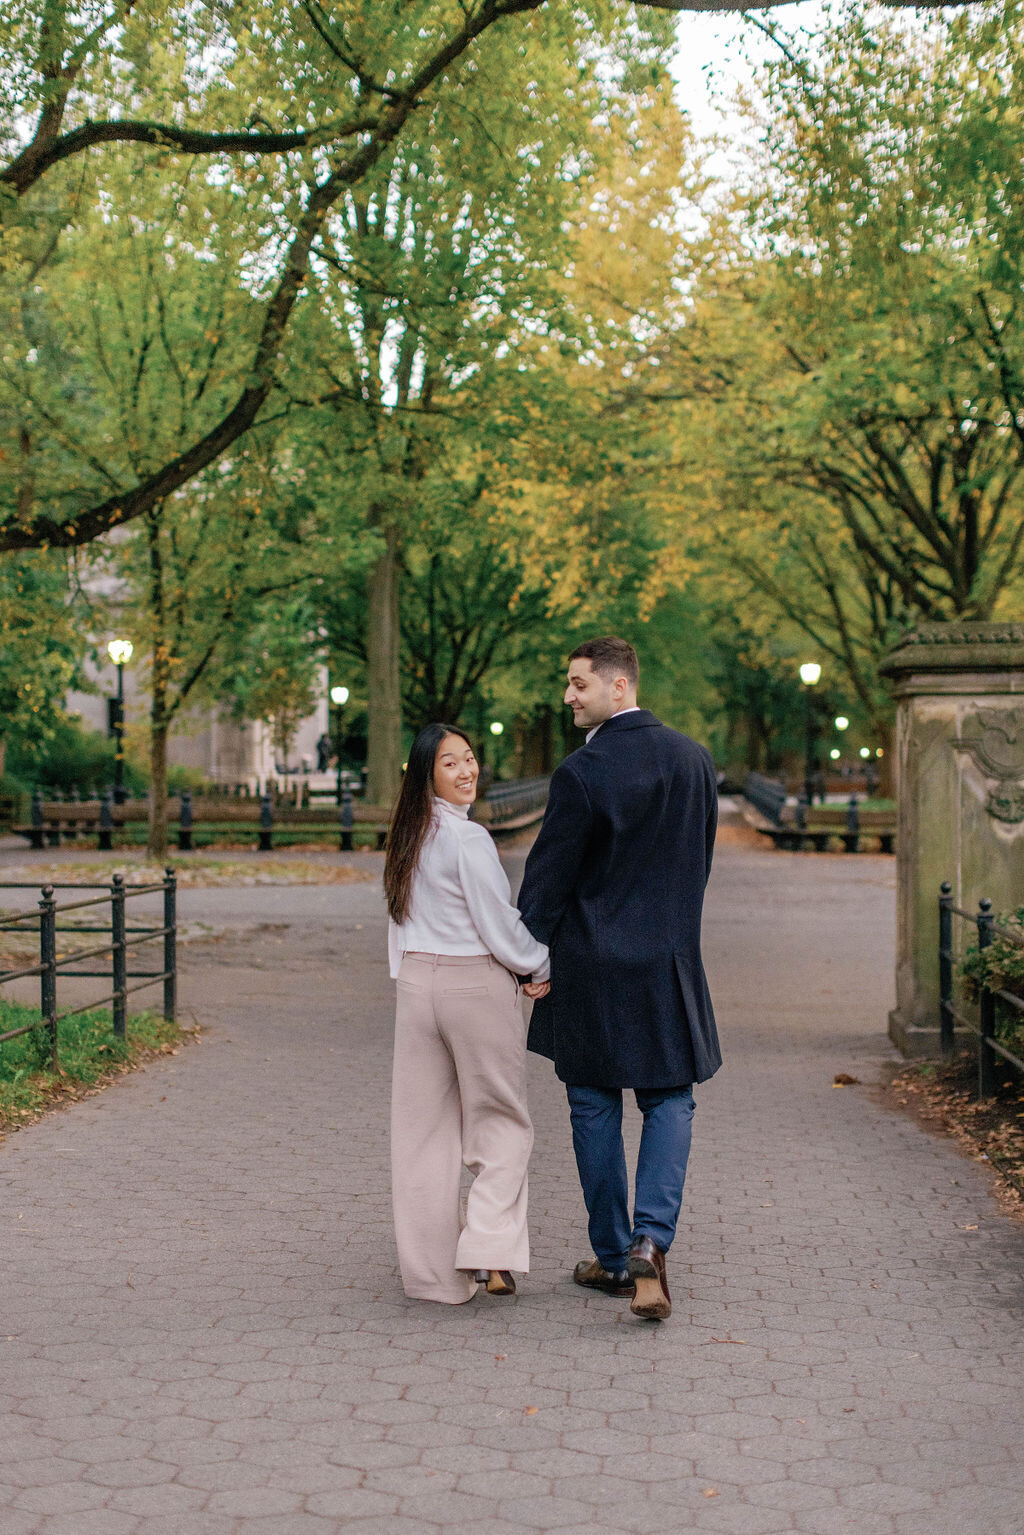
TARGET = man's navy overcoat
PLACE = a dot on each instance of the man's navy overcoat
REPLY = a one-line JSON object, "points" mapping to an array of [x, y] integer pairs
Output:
{"points": [[615, 885]]}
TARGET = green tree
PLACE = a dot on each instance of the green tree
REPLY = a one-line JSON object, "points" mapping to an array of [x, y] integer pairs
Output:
{"points": [[849, 377], [41, 650], [213, 580], [305, 98]]}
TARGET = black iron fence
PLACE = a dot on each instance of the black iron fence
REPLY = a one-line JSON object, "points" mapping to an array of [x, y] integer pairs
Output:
{"points": [[989, 1047], [511, 806], [118, 939]]}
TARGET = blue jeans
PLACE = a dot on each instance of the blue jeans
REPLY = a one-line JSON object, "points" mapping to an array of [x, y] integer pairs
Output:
{"points": [[596, 1114]]}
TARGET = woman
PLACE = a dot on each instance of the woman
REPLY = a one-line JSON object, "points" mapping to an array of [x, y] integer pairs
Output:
{"points": [[456, 944]]}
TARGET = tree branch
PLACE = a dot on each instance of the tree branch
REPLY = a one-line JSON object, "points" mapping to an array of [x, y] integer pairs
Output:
{"points": [[44, 153]]}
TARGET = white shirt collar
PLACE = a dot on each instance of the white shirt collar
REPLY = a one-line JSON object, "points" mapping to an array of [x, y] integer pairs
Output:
{"points": [[633, 709], [462, 811]]}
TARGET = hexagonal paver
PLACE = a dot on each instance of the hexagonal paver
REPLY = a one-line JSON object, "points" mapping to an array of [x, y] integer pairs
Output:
{"points": [[843, 1358]]}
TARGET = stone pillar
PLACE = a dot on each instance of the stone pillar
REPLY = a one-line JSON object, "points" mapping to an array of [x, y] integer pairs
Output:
{"points": [[960, 772]]}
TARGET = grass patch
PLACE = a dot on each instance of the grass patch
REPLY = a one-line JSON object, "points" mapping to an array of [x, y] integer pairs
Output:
{"points": [[196, 872], [89, 1056]]}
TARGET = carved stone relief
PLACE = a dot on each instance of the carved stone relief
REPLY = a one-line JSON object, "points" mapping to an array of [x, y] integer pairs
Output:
{"points": [[994, 741]]}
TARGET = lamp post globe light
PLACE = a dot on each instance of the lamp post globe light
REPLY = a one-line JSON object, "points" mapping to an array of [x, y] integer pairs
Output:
{"points": [[810, 676], [339, 698], [841, 722], [497, 730], [120, 652]]}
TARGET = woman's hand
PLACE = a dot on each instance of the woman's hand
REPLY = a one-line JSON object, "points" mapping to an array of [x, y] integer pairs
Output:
{"points": [[536, 989]]}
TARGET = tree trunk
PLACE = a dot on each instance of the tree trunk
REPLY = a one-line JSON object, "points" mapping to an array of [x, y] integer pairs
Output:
{"points": [[157, 845], [384, 682], [885, 732], [159, 722]]}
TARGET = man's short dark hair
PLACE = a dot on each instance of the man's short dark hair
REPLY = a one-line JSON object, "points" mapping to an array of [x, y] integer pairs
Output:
{"points": [[610, 657]]}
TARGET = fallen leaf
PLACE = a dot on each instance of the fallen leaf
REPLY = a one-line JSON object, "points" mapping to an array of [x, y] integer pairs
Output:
{"points": [[970, 1228], [500, 1356], [711, 1492], [128, 1281], [843, 1079], [529, 1411]]}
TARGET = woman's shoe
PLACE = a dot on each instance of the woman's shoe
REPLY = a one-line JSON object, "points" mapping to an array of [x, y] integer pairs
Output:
{"points": [[496, 1281]]}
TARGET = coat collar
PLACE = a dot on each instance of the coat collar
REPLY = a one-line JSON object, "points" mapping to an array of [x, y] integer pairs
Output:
{"points": [[634, 719]]}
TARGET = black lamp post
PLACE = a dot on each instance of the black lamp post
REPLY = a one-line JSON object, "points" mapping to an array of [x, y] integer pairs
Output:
{"points": [[339, 698], [810, 676], [120, 652]]}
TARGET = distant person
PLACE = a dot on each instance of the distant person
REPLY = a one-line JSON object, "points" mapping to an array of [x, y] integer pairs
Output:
{"points": [[323, 753], [615, 884], [456, 945]]}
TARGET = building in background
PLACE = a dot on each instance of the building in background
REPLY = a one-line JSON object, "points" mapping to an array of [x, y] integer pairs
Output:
{"points": [[206, 740]]}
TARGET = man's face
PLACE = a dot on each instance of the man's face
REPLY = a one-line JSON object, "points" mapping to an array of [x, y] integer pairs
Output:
{"points": [[591, 697]]}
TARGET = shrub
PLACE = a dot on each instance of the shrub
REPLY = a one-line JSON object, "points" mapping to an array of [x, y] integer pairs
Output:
{"points": [[1000, 967]]}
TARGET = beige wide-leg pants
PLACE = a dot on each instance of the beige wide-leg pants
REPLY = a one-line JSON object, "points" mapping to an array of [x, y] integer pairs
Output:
{"points": [[458, 1097]]}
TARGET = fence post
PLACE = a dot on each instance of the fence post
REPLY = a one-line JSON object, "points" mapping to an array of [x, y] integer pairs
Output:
{"points": [[185, 822], [346, 821], [266, 823], [106, 822], [53, 831], [170, 944], [75, 798], [37, 819], [946, 1020], [986, 1009], [118, 954], [48, 965]]}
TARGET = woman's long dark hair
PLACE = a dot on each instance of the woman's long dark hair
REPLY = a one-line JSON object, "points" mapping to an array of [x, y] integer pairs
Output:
{"points": [[410, 820]]}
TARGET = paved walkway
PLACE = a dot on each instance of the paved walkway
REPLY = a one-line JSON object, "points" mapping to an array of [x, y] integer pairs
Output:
{"points": [[202, 1331]]}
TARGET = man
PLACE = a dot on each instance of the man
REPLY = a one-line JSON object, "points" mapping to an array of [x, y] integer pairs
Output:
{"points": [[615, 885]]}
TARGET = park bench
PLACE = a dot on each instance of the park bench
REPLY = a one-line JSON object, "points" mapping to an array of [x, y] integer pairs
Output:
{"points": [[507, 808], [212, 817], [766, 795], [53, 820], [817, 826]]}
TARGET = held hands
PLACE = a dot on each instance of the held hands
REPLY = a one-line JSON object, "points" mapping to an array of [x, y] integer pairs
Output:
{"points": [[536, 989]]}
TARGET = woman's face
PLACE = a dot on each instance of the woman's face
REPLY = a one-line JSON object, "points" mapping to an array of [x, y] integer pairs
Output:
{"points": [[455, 771]]}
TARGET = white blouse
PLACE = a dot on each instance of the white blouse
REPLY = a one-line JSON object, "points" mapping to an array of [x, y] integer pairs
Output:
{"points": [[461, 901]]}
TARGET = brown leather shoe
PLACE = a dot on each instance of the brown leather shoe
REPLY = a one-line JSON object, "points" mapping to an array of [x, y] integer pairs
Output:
{"points": [[646, 1267], [593, 1277]]}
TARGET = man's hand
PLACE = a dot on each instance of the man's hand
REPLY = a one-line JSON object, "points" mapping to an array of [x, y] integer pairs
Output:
{"points": [[537, 989]]}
